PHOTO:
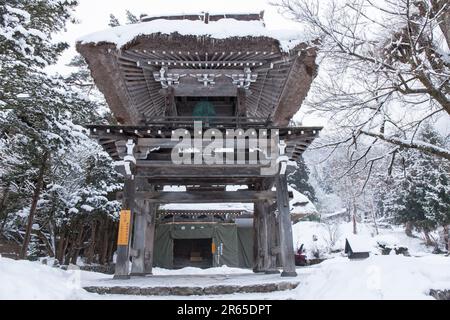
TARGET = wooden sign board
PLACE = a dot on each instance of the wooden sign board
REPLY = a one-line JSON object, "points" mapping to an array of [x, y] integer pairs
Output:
{"points": [[124, 228]]}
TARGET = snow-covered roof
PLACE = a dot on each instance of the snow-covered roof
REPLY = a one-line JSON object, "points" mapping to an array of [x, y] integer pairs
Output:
{"points": [[359, 243], [202, 13], [299, 204], [221, 29], [335, 214], [247, 207]]}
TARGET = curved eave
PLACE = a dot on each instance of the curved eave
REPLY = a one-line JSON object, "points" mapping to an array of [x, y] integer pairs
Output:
{"points": [[293, 78]]}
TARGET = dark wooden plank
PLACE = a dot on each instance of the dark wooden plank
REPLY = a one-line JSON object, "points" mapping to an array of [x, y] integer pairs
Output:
{"points": [[273, 236], [123, 251], [143, 233], [285, 227], [200, 173], [242, 196]]}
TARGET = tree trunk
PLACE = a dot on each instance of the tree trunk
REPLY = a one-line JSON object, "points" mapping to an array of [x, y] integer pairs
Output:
{"points": [[374, 217], [67, 254], [60, 251], [77, 245], [355, 230], [51, 229], [91, 251], [3, 215], [105, 242], [409, 229], [112, 242], [428, 240], [46, 242], [447, 237], [36, 196]]}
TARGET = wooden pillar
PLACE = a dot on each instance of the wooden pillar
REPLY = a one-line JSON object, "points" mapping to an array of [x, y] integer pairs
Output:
{"points": [[285, 227], [265, 236], [271, 266], [126, 223], [143, 243], [143, 234], [260, 248], [150, 239]]}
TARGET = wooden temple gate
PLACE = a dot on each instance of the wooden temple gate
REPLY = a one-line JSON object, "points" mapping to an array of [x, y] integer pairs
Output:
{"points": [[160, 87]]}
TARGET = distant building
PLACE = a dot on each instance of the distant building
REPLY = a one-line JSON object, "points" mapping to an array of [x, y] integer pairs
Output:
{"points": [[210, 235]]}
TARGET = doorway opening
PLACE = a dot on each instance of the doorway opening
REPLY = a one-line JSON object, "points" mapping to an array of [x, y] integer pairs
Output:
{"points": [[192, 253]]}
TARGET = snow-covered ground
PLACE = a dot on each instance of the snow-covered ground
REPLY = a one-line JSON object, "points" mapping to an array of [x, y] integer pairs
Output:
{"points": [[331, 238], [379, 277], [32, 280]]}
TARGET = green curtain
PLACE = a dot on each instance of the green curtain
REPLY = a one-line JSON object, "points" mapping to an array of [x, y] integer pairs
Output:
{"points": [[227, 234], [245, 247], [163, 247], [219, 233]]}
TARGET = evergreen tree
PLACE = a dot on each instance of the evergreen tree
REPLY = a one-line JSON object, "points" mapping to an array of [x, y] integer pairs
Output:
{"points": [[113, 21], [131, 18], [298, 178], [52, 173], [418, 191]]}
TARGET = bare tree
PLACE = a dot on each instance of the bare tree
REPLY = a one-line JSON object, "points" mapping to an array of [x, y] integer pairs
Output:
{"points": [[385, 71], [333, 234]]}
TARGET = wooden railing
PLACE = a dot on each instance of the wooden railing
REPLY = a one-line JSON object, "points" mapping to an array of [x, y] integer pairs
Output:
{"points": [[232, 122]]}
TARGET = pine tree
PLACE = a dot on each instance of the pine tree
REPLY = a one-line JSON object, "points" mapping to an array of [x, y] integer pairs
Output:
{"points": [[45, 167], [113, 21], [298, 178], [418, 190], [131, 18]]}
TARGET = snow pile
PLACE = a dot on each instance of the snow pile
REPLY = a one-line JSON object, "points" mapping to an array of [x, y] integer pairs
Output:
{"points": [[24, 280], [379, 277], [330, 237], [221, 29]]}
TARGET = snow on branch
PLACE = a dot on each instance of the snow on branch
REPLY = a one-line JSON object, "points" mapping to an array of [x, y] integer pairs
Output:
{"points": [[419, 145]]}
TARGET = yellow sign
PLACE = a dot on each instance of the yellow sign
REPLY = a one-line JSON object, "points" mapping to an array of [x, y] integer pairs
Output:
{"points": [[213, 248], [124, 228]]}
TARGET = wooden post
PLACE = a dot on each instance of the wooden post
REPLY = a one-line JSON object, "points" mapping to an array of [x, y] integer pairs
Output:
{"points": [[265, 234], [150, 239], [139, 235], [285, 226], [260, 249], [124, 239], [139, 229], [143, 236], [272, 242]]}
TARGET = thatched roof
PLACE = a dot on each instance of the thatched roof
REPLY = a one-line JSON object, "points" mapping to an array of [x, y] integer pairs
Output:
{"points": [[123, 61], [207, 16]]}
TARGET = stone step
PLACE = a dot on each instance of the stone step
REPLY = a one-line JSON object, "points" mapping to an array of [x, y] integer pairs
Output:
{"points": [[193, 291]]}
